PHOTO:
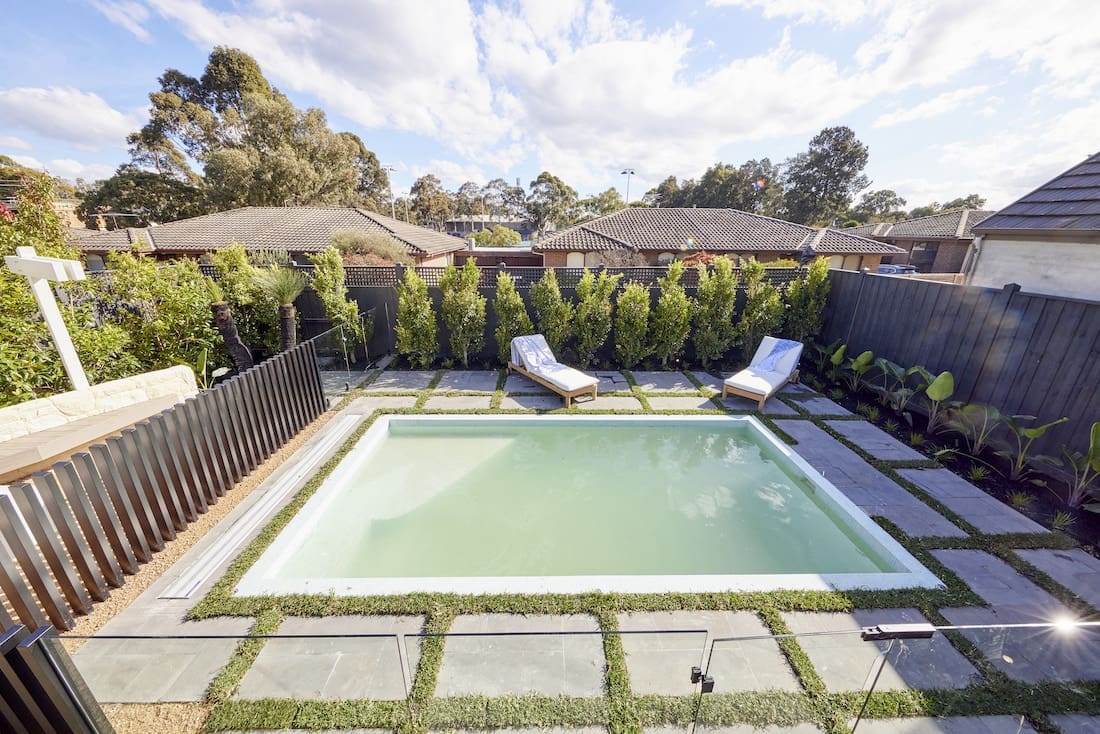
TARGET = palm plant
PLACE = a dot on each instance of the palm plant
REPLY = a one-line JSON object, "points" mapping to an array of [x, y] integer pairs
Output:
{"points": [[283, 285]]}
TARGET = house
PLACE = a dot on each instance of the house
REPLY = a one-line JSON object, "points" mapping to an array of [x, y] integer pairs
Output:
{"points": [[466, 224], [662, 235], [298, 230], [933, 244], [1048, 241]]}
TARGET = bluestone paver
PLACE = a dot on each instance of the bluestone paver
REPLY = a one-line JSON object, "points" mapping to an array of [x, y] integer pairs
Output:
{"points": [[772, 406], [847, 663], [1000, 585], [821, 406], [366, 406], [804, 728], [708, 380], [1077, 723], [611, 381], [664, 382], [950, 725], [540, 730], [549, 665], [401, 381], [663, 402], [659, 663], [468, 380], [531, 402], [608, 402], [970, 503], [874, 441], [869, 488], [797, 391], [458, 402], [1074, 569], [516, 382], [335, 668]]}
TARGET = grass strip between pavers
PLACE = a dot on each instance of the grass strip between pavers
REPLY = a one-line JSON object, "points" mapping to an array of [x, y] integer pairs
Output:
{"points": [[619, 709]]}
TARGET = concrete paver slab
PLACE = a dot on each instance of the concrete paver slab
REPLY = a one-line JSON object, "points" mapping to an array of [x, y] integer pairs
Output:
{"points": [[804, 728], [468, 380], [972, 504], [516, 382], [611, 381], [401, 381], [531, 402], [821, 406], [458, 402], [604, 402], [845, 662], [1077, 723], [874, 441], [664, 382], [366, 406], [1000, 585], [869, 488], [797, 390], [335, 668], [951, 725], [772, 406], [1074, 569], [708, 380], [684, 403], [659, 663], [549, 665]]}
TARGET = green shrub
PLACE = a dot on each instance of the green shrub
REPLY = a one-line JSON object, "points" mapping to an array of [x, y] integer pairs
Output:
{"points": [[783, 262], [632, 325], [553, 314], [806, 301], [463, 309], [593, 316], [498, 236], [763, 311], [351, 243], [512, 318], [416, 327], [330, 284], [255, 312], [672, 317], [715, 302]]}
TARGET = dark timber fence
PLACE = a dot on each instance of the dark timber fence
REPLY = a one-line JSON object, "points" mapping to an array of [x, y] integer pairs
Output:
{"points": [[1024, 354]]}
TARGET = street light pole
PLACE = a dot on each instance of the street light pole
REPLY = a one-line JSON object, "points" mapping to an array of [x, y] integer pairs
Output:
{"points": [[628, 172], [389, 186]]}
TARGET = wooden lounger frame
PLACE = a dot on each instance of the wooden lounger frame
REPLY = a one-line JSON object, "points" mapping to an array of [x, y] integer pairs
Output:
{"points": [[567, 394], [726, 390]]}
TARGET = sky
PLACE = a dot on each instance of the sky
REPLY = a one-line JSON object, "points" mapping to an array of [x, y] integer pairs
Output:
{"points": [[952, 97]]}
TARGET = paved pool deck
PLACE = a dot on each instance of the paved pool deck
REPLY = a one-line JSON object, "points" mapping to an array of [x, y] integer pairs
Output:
{"points": [[879, 474]]}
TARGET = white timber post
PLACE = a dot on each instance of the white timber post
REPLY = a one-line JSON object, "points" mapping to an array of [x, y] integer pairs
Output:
{"points": [[40, 271]]}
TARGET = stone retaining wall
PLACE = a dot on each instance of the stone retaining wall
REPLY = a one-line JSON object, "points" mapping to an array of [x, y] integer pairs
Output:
{"points": [[57, 410]]}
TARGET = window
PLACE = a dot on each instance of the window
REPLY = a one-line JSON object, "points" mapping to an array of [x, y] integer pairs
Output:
{"points": [[665, 258], [574, 260]]}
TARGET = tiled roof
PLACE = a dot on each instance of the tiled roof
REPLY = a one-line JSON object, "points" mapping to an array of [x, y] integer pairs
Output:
{"points": [[294, 229], [954, 224], [1070, 202], [93, 240], [713, 230]]}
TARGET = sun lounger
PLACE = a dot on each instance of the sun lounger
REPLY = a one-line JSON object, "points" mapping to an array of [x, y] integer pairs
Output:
{"points": [[532, 358], [773, 366]]}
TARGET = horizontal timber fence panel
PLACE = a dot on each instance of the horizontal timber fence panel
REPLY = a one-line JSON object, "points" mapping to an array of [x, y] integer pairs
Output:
{"points": [[71, 534], [1024, 354]]}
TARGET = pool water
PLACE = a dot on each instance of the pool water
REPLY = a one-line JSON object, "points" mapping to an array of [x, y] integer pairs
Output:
{"points": [[444, 500]]}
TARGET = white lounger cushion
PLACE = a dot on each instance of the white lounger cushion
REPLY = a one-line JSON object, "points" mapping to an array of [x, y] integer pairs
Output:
{"points": [[564, 376], [761, 383], [782, 353], [534, 355]]}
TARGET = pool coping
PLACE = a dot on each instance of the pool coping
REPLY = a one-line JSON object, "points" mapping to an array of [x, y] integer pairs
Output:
{"points": [[256, 581]]}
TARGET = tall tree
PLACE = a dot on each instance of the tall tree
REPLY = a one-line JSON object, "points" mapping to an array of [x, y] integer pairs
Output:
{"points": [[551, 202], [431, 204], [505, 199], [605, 202], [883, 205], [470, 200], [820, 183], [971, 201], [150, 197]]}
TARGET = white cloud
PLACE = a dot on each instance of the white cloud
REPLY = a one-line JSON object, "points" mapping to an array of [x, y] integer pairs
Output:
{"points": [[934, 107], [839, 12], [67, 168], [451, 174], [82, 119], [10, 141], [127, 14]]}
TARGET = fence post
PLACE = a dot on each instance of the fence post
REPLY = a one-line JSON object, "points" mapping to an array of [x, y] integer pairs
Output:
{"points": [[855, 309]]}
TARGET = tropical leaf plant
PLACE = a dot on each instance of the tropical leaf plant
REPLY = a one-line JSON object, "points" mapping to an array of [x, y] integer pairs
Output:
{"points": [[856, 368], [976, 423], [1085, 472], [1018, 453], [937, 394]]}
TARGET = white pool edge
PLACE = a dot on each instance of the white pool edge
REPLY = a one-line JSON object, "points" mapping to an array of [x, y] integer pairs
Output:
{"points": [[258, 580]]}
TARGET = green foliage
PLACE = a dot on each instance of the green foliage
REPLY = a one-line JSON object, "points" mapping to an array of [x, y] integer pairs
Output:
{"points": [[255, 312], [975, 422], [856, 368], [552, 201], [282, 285], [805, 298], [553, 314], [823, 354], [593, 314], [1021, 500], [1086, 471], [430, 203], [821, 182], [386, 249], [1018, 454], [416, 327], [148, 196], [726, 186], [937, 393], [632, 325], [463, 309], [672, 317], [498, 236], [330, 284], [763, 311], [716, 299], [512, 318]]}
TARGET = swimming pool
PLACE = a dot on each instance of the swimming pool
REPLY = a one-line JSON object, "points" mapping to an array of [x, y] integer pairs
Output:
{"points": [[570, 504]]}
